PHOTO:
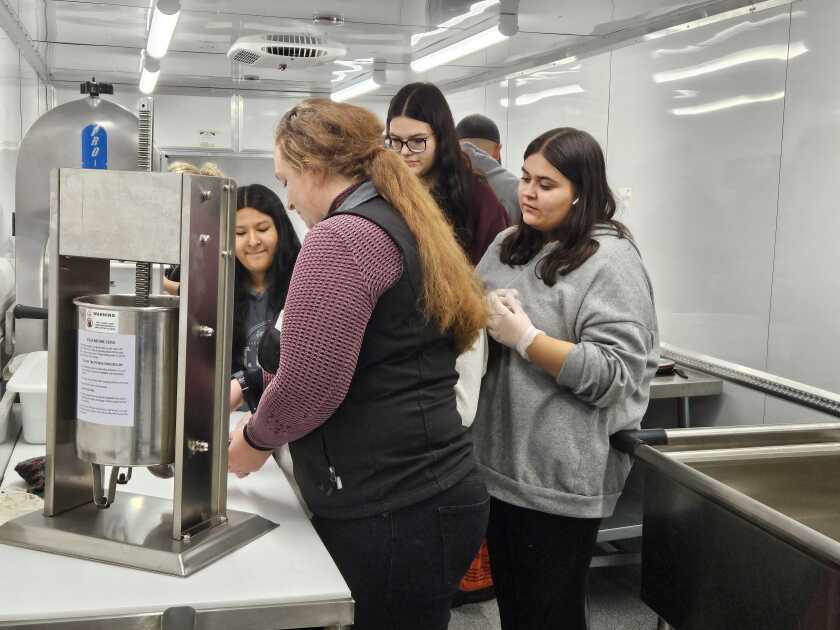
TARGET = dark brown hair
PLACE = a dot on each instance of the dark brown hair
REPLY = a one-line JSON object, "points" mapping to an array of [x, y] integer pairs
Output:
{"points": [[279, 275], [578, 156], [453, 175]]}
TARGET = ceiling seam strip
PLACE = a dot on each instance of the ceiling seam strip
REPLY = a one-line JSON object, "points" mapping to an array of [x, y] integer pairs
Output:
{"points": [[16, 31]]}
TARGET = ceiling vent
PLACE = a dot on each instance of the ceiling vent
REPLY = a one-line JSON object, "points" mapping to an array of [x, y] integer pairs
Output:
{"points": [[293, 49]]}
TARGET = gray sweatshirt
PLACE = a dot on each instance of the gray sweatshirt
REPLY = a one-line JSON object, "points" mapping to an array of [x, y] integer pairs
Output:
{"points": [[544, 444], [504, 183]]}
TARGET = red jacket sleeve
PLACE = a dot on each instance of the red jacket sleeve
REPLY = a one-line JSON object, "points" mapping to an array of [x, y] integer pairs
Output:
{"points": [[489, 218]]}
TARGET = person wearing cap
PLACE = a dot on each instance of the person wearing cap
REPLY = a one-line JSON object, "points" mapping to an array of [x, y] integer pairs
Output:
{"points": [[480, 140]]}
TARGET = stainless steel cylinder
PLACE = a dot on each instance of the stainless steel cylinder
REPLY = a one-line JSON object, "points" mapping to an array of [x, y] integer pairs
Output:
{"points": [[126, 380]]}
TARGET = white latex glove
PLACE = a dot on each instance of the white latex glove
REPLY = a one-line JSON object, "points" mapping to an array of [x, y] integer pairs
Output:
{"points": [[509, 324], [504, 293]]}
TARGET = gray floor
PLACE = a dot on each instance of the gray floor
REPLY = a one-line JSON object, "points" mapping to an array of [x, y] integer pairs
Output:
{"points": [[614, 604]]}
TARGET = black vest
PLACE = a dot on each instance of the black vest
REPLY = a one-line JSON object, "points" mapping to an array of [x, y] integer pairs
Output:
{"points": [[397, 438]]}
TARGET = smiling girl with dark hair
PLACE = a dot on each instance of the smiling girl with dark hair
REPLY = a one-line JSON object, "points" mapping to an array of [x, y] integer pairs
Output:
{"points": [[266, 250], [572, 311]]}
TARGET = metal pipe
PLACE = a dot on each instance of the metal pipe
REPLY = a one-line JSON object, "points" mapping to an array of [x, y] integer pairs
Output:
{"points": [[748, 436]]}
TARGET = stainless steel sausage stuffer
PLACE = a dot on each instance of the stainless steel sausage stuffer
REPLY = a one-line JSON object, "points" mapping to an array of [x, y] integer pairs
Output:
{"points": [[137, 380]]}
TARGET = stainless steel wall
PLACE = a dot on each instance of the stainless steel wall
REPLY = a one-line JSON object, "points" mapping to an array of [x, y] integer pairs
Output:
{"points": [[804, 325], [54, 141], [23, 97], [721, 144]]}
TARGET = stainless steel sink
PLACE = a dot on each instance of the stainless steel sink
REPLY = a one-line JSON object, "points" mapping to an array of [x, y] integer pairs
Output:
{"points": [[805, 488], [742, 528]]}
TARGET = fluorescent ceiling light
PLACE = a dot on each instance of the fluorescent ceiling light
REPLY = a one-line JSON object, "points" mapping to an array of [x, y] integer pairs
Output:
{"points": [[376, 80], [533, 97], [719, 17], [779, 52], [716, 106], [546, 66], [164, 21], [149, 73], [465, 47], [357, 89], [419, 37], [476, 8]]}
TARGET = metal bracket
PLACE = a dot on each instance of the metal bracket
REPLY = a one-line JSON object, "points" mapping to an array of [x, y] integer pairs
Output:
{"points": [[820, 399]]}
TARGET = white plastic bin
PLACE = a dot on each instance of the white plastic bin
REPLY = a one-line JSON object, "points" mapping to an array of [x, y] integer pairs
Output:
{"points": [[30, 382]]}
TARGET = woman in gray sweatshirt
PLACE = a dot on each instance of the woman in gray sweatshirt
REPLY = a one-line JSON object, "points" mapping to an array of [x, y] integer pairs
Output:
{"points": [[573, 316]]}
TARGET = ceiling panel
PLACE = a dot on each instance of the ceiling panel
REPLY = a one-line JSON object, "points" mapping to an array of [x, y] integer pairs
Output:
{"points": [[83, 37]]}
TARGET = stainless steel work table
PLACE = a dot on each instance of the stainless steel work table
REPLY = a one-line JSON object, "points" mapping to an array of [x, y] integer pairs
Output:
{"points": [[285, 579], [684, 389]]}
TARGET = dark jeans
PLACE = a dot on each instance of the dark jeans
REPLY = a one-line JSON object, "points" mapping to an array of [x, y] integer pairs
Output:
{"points": [[403, 567], [540, 564]]}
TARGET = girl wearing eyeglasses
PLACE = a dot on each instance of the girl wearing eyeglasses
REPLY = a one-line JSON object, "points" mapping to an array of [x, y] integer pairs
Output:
{"points": [[421, 128]]}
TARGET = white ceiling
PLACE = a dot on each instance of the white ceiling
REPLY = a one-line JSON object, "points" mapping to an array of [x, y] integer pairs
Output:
{"points": [[81, 38]]}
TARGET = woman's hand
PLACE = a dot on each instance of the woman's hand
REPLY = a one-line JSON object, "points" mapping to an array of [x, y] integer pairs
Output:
{"points": [[171, 287], [235, 394], [242, 459], [508, 323], [239, 425]]}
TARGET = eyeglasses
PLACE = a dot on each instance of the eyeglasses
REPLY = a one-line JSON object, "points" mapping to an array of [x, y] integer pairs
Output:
{"points": [[415, 145]]}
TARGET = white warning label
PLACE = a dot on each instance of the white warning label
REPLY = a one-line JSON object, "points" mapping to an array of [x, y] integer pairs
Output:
{"points": [[99, 320], [106, 372]]}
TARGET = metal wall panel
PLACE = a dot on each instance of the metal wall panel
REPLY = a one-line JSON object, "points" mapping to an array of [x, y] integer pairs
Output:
{"points": [[694, 152], [804, 329], [572, 95]]}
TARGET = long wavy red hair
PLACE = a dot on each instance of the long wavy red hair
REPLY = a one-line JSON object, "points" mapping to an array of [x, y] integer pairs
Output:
{"points": [[339, 138]]}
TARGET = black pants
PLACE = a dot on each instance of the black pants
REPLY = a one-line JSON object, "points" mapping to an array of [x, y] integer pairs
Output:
{"points": [[403, 567], [540, 564]]}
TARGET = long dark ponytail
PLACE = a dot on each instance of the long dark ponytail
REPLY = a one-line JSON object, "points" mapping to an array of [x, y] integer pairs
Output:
{"points": [[578, 156]]}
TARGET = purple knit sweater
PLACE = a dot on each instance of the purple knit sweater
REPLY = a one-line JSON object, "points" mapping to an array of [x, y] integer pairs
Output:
{"points": [[345, 265]]}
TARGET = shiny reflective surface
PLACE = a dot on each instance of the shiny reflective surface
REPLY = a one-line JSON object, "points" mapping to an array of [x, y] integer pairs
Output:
{"points": [[9, 434], [206, 295], [803, 327], [150, 439], [702, 188], [134, 531], [68, 480], [744, 536], [54, 142], [769, 475], [803, 487], [195, 528], [73, 35], [121, 216]]}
